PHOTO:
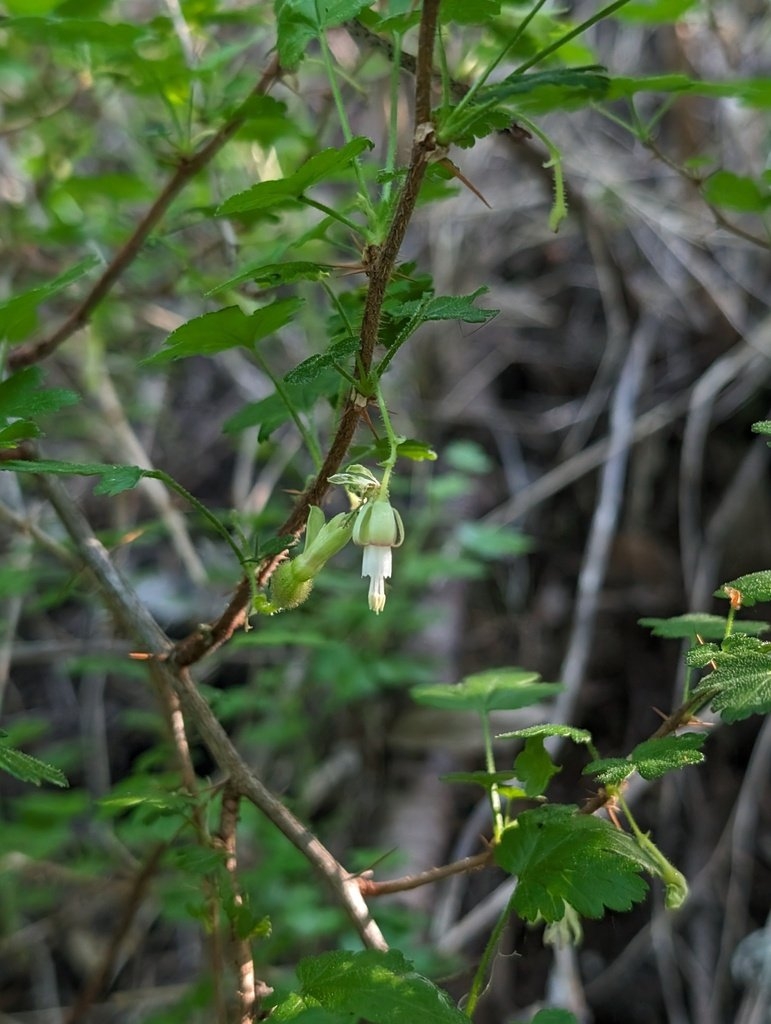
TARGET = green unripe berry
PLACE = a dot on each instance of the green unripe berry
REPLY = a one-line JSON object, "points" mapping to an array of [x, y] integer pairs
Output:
{"points": [[286, 590]]}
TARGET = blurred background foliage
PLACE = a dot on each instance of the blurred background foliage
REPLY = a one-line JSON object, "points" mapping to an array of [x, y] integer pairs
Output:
{"points": [[647, 317]]}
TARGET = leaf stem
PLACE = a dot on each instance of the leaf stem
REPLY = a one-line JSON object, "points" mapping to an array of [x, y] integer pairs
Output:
{"points": [[559, 209], [547, 51], [330, 212], [495, 796], [482, 971], [477, 85], [342, 114], [207, 514], [393, 119], [393, 441], [310, 441]]}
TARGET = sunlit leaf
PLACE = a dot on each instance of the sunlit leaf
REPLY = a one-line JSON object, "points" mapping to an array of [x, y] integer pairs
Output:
{"points": [[268, 194], [752, 588], [381, 987], [651, 759], [560, 856], [497, 689], [224, 329], [533, 766]]}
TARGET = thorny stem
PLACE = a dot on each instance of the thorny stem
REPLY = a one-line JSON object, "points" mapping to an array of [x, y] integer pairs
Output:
{"points": [[195, 646], [483, 970], [174, 683]]}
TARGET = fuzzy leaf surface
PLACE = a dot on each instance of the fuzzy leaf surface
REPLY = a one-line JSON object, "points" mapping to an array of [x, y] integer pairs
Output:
{"points": [[381, 987], [446, 307], [562, 857], [754, 587], [541, 92], [743, 675], [272, 275], [651, 759], [568, 731], [309, 369]]}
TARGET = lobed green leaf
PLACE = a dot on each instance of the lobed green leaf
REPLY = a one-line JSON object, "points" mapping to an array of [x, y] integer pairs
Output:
{"points": [[22, 395], [300, 21], [534, 768], [224, 329], [272, 275], [113, 479], [737, 192], [27, 768], [745, 684], [268, 194], [568, 731], [381, 987], [650, 759], [754, 587], [562, 857], [494, 690], [708, 627], [753, 92], [309, 369]]}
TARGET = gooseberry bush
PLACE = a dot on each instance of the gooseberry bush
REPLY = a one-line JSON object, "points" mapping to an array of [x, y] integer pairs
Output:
{"points": [[200, 190]]}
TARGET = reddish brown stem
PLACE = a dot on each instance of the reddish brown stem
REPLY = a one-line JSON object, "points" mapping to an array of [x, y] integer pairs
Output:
{"points": [[203, 641], [476, 863]]}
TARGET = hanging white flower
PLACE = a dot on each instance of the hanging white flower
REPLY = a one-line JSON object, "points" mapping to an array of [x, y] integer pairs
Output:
{"points": [[378, 529]]}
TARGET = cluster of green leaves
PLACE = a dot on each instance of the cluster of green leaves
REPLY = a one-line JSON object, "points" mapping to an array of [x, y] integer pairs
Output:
{"points": [[292, 236], [567, 863]]}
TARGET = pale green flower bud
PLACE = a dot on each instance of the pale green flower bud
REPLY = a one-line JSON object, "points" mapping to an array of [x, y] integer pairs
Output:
{"points": [[292, 581]]}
